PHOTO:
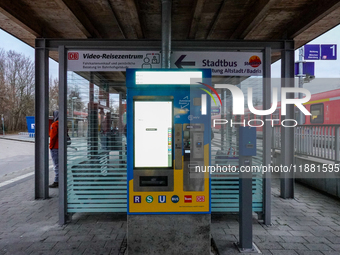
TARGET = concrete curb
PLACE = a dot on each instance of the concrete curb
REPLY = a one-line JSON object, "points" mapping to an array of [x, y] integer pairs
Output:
{"points": [[17, 139]]}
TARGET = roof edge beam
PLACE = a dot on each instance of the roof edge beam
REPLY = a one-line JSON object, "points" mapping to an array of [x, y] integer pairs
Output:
{"points": [[116, 20], [196, 19], [190, 45], [136, 24], [309, 17], [13, 10], [215, 19], [78, 16], [252, 19]]}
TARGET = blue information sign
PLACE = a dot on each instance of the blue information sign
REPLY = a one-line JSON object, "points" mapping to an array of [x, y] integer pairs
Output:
{"points": [[312, 52], [308, 68], [215, 109], [328, 52]]}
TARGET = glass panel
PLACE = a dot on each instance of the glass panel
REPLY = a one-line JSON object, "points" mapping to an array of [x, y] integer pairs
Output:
{"points": [[225, 148], [96, 157]]}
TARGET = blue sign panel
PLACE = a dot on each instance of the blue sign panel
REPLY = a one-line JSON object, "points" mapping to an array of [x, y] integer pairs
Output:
{"points": [[30, 124], [215, 109], [308, 68], [137, 199], [328, 52], [312, 52], [162, 199], [175, 199]]}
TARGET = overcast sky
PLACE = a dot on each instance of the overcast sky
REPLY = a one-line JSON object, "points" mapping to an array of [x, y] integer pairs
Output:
{"points": [[323, 68]]}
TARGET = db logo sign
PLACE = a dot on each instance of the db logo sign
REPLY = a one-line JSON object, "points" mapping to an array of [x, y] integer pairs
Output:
{"points": [[200, 198], [73, 56]]}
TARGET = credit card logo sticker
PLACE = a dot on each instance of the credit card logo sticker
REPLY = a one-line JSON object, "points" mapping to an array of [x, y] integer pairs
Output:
{"points": [[175, 199], [200, 198], [137, 199], [188, 199], [149, 199], [162, 199]]}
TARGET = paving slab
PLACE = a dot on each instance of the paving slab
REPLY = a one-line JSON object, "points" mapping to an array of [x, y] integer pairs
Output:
{"points": [[305, 225], [30, 226]]}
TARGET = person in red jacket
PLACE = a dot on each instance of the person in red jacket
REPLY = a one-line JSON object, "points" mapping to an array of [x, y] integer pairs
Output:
{"points": [[54, 145]]}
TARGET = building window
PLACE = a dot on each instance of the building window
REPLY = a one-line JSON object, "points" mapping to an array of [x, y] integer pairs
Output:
{"points": [[317, 113]]}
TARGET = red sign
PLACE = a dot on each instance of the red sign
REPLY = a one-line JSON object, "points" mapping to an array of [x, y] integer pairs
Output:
{"points": [[188, 199], [73, 56], [200, 198]]}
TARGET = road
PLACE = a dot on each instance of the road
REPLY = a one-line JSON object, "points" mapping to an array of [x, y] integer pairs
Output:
{"points": [[15, 156]]}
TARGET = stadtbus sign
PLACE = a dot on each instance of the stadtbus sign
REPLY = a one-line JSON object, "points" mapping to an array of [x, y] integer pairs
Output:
{"points": [[221, 63]]}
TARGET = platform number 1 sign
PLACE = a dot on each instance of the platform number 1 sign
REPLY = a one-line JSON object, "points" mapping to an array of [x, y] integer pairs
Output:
{"points": [[328, 52]]}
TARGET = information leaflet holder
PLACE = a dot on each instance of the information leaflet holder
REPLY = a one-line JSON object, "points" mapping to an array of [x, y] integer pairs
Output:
{"points": [[168, 140]]}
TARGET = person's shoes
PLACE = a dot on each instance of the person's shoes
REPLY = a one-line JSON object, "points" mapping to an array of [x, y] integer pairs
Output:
{"points": [[54, 185]]}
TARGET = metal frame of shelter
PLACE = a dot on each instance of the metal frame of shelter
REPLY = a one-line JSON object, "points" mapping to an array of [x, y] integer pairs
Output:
{"points": [[44, 46]]}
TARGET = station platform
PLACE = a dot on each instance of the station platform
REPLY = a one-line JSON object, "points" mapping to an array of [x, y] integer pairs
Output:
{"points": [[307, 224]]}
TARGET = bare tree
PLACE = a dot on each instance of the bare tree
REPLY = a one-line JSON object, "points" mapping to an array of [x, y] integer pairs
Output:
{"points": [[16, 89], [53, 95], [3, 97]]}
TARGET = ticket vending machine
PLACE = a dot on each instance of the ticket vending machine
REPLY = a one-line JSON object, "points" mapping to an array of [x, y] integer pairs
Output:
{"points": [[168, 140]]}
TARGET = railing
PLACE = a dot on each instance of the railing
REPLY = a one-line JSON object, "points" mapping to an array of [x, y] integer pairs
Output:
{"points": [[320, 141]]}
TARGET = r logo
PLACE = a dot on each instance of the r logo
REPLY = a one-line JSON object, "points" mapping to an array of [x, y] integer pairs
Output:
{"points": [[137, 199]]}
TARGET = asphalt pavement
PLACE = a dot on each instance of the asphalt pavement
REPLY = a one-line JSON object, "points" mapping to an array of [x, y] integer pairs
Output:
{"points": [[16, 156]]}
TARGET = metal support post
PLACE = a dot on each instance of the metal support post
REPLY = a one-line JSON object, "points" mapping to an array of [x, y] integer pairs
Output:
{"points": [[41, 120], [62, 134], [287, 134], [301, 81], [121, 111], [121, 129], [166, 33], [246, 207], [3, 124], [223, 128], [92, 123], [247, 149], [337, 145], [267, 131], [72, 117]]}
